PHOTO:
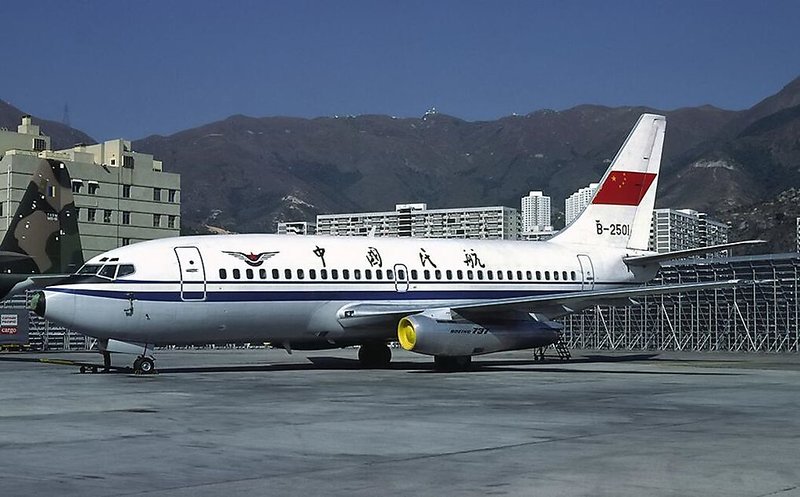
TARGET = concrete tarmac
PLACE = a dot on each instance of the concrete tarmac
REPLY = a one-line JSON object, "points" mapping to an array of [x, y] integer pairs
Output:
{"points": [[260, 422]]}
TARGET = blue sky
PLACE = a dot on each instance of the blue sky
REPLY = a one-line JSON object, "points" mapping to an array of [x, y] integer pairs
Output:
{"points": [[134, 68]]}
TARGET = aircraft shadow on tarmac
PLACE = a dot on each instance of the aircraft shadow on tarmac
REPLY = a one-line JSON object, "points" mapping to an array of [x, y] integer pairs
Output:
{"points": [[323, 363]]}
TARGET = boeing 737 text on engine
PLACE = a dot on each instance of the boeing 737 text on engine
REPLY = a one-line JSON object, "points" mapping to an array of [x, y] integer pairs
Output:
{"points": [[451, 299]]}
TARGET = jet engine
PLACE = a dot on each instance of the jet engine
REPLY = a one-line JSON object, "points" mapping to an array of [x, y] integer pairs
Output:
{"points": [[426, 335]]}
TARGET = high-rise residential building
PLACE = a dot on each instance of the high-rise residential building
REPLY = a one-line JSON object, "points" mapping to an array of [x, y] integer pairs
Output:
{"points": [[575, 203], [121, 196], [296, 228], [416, 220], [682, 229], [797, 234], [535, 213]]}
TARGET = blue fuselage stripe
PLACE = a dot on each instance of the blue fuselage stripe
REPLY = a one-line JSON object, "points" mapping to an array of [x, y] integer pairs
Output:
{"points": [[306, 295]]}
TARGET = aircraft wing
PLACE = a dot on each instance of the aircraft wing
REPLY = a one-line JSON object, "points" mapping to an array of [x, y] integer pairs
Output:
{"points": [[550, 306]]}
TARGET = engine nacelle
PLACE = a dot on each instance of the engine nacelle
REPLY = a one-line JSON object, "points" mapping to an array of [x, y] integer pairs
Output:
{"points": [[425, 335]]}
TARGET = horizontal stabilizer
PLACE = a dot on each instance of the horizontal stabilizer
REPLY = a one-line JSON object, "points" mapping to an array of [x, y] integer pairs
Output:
{"points": [[644, 260]]}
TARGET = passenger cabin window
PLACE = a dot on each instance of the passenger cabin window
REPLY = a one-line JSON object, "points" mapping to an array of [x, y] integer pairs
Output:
{"points": [[414, 274], [511, 275], [262, 273], [547, 275], [460, 274], [378, 274], [499, 275], [528, 275], [469, 274], [108, 271], [368, 274], [312, 274], [237, 274], [357, 274], [334, 274], [438, 274], [489, 275], [519, 275], [555, 275], [572, 275], [538, 275], [323, 273], [275, 274], [427, 274], [300, 274], [288, 274], [249, 273], [449, 274], [480, 274], [389, 274], [345, 274], [564, 275]]}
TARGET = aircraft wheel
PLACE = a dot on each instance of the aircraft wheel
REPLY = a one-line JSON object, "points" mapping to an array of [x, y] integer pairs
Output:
{"points": [[375, 355], [146, 366], [452, 363], [83, 369]]}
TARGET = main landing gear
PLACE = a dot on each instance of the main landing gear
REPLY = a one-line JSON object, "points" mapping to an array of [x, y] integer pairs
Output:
{"points": [[452, 363], [374, 355]]}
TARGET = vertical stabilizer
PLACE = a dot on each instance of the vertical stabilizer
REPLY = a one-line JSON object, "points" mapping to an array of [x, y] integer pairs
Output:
{"points": [[621, 210], [42, 235]]}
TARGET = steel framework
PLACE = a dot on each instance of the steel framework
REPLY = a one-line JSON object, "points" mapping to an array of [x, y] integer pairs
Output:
{"points": [[760, 316]]}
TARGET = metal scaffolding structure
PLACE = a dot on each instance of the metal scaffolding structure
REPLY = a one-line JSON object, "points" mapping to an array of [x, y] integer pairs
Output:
{"points": [[760, 316]]}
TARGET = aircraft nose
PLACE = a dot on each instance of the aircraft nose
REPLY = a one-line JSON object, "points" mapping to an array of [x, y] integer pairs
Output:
{"points": [[37, 303]]}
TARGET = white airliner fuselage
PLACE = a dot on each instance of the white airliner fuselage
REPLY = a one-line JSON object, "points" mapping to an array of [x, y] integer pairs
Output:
{"points": [[204, 289]]}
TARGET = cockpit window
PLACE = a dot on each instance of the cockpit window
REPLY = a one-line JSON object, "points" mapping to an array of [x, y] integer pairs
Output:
{"points": [[108, 271], [89, 269], [125, 270]]}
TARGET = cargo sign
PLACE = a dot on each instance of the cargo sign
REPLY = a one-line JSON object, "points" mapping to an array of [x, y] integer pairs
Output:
{"points": [[9, 324]]}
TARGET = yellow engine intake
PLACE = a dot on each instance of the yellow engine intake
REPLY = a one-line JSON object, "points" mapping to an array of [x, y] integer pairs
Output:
{"points": [[406, 334]]}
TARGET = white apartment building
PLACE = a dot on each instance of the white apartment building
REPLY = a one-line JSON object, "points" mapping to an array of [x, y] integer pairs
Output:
{"points": [[121, 196], [296, 228], [416, 220], [577, 202], [535, 213], [681, 229]]}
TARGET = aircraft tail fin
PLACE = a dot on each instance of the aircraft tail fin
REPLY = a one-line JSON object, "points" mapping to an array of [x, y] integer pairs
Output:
{"points": [[620, 213], [42, 235]]}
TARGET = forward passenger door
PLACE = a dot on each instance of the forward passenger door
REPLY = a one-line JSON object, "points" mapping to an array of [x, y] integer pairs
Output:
{"points": [[193, 273]]}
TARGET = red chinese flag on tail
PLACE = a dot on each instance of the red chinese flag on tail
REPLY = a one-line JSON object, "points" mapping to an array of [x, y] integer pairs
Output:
{"points": [[624, 188]]}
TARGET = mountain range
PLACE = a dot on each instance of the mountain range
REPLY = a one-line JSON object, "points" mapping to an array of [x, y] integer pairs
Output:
{"points": [[245, 174]]}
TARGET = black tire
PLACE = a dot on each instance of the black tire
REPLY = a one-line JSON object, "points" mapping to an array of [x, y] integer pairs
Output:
{"points": [[374, 355], [452, 363], [147, 366], [83, 369]]}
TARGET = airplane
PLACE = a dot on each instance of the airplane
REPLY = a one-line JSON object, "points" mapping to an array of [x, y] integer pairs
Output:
{"points": [[42, 236], [450, 299]]}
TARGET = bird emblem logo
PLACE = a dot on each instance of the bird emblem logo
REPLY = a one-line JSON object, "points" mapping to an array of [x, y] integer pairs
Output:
{"points": [[251, 259]]}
